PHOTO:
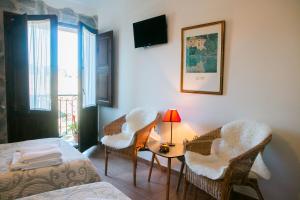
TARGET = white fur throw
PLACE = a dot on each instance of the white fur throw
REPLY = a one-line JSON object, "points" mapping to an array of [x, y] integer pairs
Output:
{"points": [[236, 138], [154, 136], [135, 120]]}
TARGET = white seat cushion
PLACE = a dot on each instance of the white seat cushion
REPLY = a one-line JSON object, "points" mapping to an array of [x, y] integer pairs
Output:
{"points": [[117, 141], [210, 166]]}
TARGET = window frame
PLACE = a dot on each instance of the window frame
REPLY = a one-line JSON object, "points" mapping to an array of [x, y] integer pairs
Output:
{"points": [[80, 38]]}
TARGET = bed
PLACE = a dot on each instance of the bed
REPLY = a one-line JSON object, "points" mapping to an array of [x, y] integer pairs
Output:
{"points": [[75, 170], [92, 191]]}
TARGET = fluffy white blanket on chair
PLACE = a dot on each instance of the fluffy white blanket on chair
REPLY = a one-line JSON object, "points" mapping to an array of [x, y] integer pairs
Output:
{"points": [[135, 120], [236, 138]]}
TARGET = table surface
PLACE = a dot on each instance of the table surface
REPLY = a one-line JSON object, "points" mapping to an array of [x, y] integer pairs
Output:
{"points": [[175, 151]]}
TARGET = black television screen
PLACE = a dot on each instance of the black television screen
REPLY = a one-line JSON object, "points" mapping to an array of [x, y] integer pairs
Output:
{"points": [[150, 31]]}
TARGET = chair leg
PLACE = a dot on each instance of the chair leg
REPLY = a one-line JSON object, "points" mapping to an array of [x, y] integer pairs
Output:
{"points": [[151, 166], [195, 193], [186, 185], [180, 175], [134, 164], [255, 186], [106, 160], [227, 194]]}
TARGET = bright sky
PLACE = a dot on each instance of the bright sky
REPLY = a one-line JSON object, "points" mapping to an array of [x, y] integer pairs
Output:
{"points": [[67, 61]]}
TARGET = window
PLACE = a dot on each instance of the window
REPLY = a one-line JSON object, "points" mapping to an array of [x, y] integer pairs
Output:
{"points": [[39, 61], [89, 68], [67, 81], [67, 61]]}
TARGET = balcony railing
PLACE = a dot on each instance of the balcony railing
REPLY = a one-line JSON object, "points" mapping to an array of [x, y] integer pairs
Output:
{"points": [[67, 114]]}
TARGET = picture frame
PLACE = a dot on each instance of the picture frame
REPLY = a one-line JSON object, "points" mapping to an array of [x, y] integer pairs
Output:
{"points": [[202, 58]]}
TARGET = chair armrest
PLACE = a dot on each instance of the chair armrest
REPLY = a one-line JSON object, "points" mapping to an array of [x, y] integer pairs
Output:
{"points": [[252, 152], [240, 166], [142, 135], [202, 144], [114, 127]]}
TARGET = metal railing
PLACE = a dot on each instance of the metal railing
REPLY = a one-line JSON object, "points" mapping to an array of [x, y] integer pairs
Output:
{"points": [[67, 113]]}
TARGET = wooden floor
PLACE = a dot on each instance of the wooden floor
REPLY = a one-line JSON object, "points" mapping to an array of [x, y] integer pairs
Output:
{"points": [[120, 175]]}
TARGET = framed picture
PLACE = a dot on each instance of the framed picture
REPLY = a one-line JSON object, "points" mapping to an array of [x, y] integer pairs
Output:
{"points": [[202, 58]]}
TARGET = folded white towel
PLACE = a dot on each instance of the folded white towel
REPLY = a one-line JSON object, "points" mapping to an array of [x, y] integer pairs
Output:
{"points": [[17, 165], [37, 148], [40, 155]]}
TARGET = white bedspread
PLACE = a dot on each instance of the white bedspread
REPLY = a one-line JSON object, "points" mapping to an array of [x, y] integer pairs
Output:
{"points": [[92, 191]]}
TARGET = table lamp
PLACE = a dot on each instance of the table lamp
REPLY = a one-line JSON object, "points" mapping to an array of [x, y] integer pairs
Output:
{"points": [[171, 116]]}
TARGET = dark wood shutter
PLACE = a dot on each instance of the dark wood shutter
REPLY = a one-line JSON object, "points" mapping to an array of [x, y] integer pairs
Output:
{"points": [[105, 69], [15, 27], [23, 123]]}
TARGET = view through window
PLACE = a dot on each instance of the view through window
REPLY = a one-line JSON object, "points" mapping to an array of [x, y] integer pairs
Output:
{"points": [[68, 83]]}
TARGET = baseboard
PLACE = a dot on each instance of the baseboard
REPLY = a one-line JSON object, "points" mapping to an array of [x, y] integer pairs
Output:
{"points": [[143, 160], [161, 167]]}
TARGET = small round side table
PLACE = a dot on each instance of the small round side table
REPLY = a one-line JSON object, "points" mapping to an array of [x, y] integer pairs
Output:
{"points": [[176, 151]]}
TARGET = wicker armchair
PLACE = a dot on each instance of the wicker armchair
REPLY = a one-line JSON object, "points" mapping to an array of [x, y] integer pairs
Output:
{"points": [[236, 174], [139, 141]]}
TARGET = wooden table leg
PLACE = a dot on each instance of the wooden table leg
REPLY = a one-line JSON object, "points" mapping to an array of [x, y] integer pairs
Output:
{"points": [[180, 175], [151, 166], [157, 161], [168, 178]]}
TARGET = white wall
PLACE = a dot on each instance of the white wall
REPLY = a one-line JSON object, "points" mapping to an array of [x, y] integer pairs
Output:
{"points": [[262, 68]]}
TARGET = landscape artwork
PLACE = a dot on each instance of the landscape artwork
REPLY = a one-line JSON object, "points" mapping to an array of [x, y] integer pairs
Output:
{"points": [[202, 58], [201, 53]]}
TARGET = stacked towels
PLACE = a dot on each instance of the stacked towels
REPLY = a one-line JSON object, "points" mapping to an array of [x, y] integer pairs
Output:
{"points": [[36, 157]]}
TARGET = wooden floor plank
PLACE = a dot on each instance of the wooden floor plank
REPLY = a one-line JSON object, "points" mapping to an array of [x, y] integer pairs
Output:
{"points": [[120, 175]]}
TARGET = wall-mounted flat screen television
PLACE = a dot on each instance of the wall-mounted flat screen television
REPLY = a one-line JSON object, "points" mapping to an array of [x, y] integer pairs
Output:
{"points": [[150, 31]]}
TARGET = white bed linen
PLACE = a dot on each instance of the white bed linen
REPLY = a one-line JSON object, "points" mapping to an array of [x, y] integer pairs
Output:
{"points": [[75, 170]]}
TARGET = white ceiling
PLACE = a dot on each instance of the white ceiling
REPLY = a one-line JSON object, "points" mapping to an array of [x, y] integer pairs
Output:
{"points": [[87, 7]]}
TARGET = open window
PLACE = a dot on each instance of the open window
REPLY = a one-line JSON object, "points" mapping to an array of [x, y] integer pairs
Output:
{"points": [[96, 80], [31, 57], [88, 66], [105, 69]]}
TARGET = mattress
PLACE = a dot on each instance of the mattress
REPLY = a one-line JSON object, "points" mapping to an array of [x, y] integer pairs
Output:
{"points": [[75, 170], [92, 191]]}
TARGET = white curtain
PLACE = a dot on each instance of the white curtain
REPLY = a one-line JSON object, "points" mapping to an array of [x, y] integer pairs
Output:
{"points": [[39, 61], [89, 68]]}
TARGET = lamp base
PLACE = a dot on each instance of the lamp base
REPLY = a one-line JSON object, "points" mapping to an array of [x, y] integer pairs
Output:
{"points": [[171, 144]]}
